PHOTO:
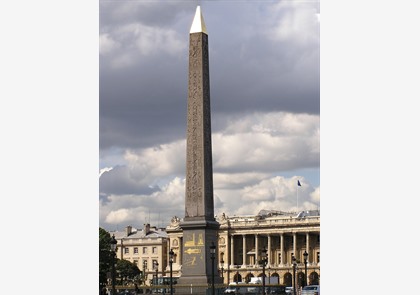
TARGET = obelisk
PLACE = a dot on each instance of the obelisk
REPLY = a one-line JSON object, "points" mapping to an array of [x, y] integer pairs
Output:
{"points": [[199, 225]]}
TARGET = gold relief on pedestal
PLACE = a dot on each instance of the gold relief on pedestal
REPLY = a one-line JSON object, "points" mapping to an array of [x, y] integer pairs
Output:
{"points": [[193, 249]]}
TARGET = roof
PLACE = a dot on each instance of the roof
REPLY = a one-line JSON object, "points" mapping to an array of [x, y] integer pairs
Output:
{"points": [[140, 234]]}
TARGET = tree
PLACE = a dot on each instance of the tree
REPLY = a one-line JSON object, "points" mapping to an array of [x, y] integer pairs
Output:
{"points": [[127, 270], [105, 256]]}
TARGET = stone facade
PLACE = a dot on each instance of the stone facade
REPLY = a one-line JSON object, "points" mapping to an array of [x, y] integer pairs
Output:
{"points": [[144, 247], [286, 233], [283, 234]]}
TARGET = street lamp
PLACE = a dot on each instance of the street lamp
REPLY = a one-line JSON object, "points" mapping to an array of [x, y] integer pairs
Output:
{"points": [[171, 260], [237, 274], [113, 244], [263, 261], [212, 255], [157, 269], [144, 271], [305, 260], [294, 274], [222, 263]]}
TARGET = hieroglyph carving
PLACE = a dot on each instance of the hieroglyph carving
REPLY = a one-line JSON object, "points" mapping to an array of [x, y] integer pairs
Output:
{"points": [[199, 180]]}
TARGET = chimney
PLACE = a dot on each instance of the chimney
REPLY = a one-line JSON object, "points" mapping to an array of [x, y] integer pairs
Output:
{"points": [[146, 229], [128, 230]]}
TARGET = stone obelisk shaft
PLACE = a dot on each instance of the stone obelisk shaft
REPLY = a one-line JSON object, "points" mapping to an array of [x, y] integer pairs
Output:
{"points": [[199, 226], [199, 178]]}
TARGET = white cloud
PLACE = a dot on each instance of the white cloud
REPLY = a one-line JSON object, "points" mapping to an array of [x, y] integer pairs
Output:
{"points": [[135, 209], [315, 195], [122, 60], [147, 39], [277, 140], [152, 163], [295, 21], [107, 44], [118, 216], [127, 44], [246, 146], [242, 151], [276, 193], [104, 170], [249, 152], [223, 181]]}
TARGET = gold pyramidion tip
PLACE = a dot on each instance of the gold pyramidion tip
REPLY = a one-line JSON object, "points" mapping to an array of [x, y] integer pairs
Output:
{"points": [[198, 24]]}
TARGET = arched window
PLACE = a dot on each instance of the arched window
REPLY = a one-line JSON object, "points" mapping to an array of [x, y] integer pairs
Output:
{"points": [[313, 278], [287, 279]]}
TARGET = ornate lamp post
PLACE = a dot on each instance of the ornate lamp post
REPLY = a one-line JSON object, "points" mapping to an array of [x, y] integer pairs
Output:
{"points": [[113, 244], [144, 271], [263, 261], [222, 263], [212, 255], [305, 260], [157, 269], [171, 260], [294, 274], [237, 274]]}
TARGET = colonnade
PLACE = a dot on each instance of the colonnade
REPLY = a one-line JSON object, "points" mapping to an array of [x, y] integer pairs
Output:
{"points": [[278, 252]]}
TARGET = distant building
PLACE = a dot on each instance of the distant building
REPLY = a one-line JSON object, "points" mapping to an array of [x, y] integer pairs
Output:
{"points": [[146, 247], [282, 234], [241, 239]]}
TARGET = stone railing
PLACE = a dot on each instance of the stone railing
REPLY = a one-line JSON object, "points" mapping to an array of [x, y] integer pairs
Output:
{"points": [[275, 222]]}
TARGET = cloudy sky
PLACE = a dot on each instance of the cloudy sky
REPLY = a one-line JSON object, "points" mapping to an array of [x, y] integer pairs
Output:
{"points": [[265, 103], [50, 97]]}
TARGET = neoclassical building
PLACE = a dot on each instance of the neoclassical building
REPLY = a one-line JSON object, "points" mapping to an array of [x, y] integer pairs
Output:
{"points": [[242, 238], [146, 247], [241, 241]]}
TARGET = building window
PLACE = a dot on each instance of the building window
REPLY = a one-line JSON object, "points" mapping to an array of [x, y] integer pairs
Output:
{"points": [[144, 250], [144, 265], [136, 250], [279, 259], [318, 258], [154, 262], [154, 250], [126, 250]]}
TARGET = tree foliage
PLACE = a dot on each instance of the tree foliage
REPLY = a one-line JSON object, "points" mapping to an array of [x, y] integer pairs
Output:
{"points": [[105, 255], [127, 270]]}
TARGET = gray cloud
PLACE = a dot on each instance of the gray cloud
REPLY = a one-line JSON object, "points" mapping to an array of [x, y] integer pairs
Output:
{"points": [[264, 79], [145, 100]]}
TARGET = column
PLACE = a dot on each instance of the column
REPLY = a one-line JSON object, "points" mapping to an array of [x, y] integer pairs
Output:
{"points": [[269, 249], [168, 247], [244, 250], [256, 249], [281, 249], [294, 245], [232, 253], [181, 250], [122, 250], [307, 245]]}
